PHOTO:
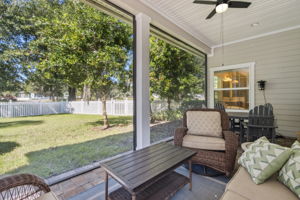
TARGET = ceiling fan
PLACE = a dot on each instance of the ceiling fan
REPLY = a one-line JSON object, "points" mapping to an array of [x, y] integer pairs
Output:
{"points": [[223, 5]]}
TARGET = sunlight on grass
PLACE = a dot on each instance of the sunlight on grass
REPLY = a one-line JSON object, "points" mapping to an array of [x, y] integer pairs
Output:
{"points": [[51, 144]]}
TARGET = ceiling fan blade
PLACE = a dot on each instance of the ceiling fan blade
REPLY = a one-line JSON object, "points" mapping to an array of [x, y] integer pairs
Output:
{"points": [[205, 2], [211, 14], [238, 4]]}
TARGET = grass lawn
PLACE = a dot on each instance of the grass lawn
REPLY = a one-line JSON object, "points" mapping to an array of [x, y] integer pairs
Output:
{"points": [[51, 144]]}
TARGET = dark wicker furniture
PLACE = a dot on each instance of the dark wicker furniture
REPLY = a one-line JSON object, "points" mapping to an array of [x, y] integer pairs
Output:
{"points": [[148, 173], [22, 187], [222, 161], [237, 120]]}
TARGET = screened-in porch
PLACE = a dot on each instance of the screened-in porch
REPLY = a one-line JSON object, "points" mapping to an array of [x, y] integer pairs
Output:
{"points": [[140, 99]]}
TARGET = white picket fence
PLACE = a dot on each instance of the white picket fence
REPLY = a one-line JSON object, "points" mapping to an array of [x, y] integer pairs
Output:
{"points": [[113, 107], [21, 109]]}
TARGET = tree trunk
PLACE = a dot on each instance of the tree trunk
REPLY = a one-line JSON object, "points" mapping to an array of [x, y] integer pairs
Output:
{"points": [[51, 94], [152, 119], [86, 92], [104, 113], [72, 94], [169, 103]]}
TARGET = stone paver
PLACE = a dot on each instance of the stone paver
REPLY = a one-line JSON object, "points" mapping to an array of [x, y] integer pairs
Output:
{"points": [[78, 184]]}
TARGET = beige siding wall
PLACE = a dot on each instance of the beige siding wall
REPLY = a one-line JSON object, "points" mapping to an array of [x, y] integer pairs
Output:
{"points": [[277, 60]]}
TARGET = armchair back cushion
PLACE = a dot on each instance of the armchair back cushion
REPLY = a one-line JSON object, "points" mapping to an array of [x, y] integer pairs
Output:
{"points": [[204, 123]]}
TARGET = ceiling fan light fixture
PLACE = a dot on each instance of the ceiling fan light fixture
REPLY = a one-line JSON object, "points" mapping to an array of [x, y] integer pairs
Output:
{"points": [[221, 7]]}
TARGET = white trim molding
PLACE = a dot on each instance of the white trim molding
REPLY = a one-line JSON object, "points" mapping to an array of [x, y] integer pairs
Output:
{"points": [[197, 35], [257, 36], [187, 29], [251, 88]]}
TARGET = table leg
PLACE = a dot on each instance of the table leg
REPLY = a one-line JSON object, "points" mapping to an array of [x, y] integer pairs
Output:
{"points": [[106, 185], [190, 174], [133, 197]]}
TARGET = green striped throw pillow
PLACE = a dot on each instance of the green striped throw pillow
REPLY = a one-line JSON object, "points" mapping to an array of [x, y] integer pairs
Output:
{"points": [[262, 159], [289, 175]]}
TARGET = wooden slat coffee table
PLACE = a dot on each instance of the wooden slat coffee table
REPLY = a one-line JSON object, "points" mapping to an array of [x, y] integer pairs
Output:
{"points": [[148, 173]]}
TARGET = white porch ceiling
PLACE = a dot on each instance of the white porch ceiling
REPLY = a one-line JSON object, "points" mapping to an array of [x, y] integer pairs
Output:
{"points": [[272, 16]]}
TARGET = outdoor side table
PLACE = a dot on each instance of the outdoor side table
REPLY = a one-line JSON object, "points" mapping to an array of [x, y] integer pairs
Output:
{"points": [[148, 173]]}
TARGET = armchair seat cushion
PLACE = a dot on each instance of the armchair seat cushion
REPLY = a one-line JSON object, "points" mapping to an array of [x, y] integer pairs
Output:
{"points": [[203, 142], [204, 123]]}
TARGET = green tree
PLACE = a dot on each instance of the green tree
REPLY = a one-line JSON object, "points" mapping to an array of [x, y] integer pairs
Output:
{"points": [[175, 74], [87, 48], [65, 42], [15, 32], [18, 28]]}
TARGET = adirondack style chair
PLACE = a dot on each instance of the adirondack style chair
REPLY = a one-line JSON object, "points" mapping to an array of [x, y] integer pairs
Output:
{"points": [[269, 106], [261, 122], [220, 106]]}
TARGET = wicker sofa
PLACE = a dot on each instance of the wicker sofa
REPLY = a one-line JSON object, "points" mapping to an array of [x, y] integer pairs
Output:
{"points": [[221, 152], [241, 187]]}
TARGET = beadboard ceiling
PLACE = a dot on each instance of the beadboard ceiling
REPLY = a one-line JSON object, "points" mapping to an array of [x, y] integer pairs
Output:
{"points": [[272, 16]]}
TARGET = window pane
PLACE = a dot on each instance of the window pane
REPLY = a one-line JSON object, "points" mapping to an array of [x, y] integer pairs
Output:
{"points": [[231, 78], [66, 86], [233, 99]]}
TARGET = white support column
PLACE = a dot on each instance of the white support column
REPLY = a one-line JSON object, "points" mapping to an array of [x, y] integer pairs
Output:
{"points": [[142, 80]]}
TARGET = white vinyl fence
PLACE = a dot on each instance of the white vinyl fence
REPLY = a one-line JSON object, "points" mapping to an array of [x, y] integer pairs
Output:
{"points": [[21, 109], [113, 107]]}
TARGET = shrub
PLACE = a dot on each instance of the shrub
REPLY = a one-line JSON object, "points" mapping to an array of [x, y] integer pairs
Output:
{"points": [[166, 115]]}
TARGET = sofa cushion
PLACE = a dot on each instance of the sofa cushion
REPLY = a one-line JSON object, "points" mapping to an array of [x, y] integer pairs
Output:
{"points": [[205, 123], [229, 195], [48, 196], [243, 185], [262, 159], [204, 142], [289, 175]]}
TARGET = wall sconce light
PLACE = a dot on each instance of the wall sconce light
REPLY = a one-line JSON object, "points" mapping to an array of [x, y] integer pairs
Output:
{"points": [[261, 84]]}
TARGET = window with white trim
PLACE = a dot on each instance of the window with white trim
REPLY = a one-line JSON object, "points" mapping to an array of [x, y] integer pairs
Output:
{"points": [[233, 86]]}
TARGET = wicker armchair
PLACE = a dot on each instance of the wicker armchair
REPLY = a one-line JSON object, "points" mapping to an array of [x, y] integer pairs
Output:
{"points": [[220, 160], [24, 187]]}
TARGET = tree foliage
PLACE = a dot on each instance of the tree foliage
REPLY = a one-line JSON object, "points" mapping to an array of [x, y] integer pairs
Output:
{"points": [[15, 31], [70, 43], [55, 46], [175, 74]]}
